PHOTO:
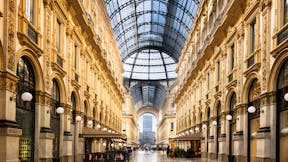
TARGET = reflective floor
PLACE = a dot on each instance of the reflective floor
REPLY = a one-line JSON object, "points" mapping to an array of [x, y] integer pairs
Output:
{"points": [[160, 156]]}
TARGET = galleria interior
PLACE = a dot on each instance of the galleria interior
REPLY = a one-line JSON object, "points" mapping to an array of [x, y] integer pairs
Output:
{"points": [[76, 76]]}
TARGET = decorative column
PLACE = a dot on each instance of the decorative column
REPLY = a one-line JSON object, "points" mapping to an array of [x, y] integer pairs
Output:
{"points": [[223, 152], [9, 131], [264, 148], [67, 151], [46, 135], [238, 136]]}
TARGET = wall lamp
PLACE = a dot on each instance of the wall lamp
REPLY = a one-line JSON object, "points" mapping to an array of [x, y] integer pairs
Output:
{"points": [[26, 96], [286, 97], [251, 109], [78, 118], [90, 122], [229, 117], [60, 110]]}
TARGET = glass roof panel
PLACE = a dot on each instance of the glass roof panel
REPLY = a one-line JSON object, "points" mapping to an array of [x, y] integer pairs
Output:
{"points": [[163, 16], [150, 36]]}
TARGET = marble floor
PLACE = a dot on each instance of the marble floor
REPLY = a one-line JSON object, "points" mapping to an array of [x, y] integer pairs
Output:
{"points": [[160, 156]]}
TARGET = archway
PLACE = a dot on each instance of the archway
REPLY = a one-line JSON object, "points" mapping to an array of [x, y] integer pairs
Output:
{"points": [[147, 119], [232, 123], [253, 97], [282, 114], [25, 111], [55, 119]]}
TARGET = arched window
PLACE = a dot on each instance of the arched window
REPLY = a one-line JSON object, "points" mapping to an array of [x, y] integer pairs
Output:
{"points": [[26, 82], [283, 77], [85, 108], [282, 114], [254, 92], [232, 102], [253, 118], [232, 123], [73, 102], [55, 119], [55, 97], [25, 111]]}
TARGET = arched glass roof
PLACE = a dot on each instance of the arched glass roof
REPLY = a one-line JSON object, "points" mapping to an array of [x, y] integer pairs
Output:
{"points": [[151, 24], [149, 64], [148, 95], [150, 36]]}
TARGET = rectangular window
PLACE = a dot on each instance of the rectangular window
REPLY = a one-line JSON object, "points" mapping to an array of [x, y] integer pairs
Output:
{"points": [[253, 35], [218, 71], [232, 57], [58, 36], [208, 80], [30, 10], [172, 126], [87, 70], [75, 56], [285, 12]]}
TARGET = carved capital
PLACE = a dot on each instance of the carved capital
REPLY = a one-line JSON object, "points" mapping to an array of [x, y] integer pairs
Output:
{"points": [[8, 81]]}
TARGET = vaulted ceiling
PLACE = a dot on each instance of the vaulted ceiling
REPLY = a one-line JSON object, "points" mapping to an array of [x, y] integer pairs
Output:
{"points": [[150, 35]]}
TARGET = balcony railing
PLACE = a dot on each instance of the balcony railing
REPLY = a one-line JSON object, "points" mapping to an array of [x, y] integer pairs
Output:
{"points": [[230, 77], [59, 61], [32, 34], [283, 35], [76, 77], [250, 61]]}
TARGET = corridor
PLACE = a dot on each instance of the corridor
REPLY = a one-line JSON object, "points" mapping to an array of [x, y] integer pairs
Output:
{"points": [[160, 156]]}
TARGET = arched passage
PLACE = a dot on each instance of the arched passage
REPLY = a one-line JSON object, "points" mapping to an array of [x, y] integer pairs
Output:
{"points": [[147, 118]]}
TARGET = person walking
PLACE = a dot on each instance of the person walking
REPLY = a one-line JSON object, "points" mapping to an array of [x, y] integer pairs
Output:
{"points": [[168, 151]]}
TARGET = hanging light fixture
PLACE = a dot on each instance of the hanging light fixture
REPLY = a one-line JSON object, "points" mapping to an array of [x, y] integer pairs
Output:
{"points": [[60, 110], [78, 118], [251, 109], [104, 144], [26, 96], [197, 129], [214, 122], [98, 126], [109, 130], [104, 129], [228, 117], [286, 97]]}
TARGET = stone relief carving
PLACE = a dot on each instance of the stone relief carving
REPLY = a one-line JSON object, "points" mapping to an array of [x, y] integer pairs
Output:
{"points": [[11, 34]]}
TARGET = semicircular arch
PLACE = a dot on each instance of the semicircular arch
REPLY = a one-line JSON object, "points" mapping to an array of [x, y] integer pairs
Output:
{"points": [[61, 84], [276, 68], [31, 56], [149, 110]]}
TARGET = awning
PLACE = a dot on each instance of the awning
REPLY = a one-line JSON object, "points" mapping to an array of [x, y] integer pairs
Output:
{"points": [[187, 138], [94, 133]]}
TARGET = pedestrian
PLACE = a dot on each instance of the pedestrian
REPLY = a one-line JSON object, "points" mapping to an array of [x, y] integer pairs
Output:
{"points": [[168, 151]]}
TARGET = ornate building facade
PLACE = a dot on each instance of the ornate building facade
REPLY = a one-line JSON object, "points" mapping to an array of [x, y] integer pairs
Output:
{"points": [[130, 123], [166, 123], [233, 90], [61, 79]]}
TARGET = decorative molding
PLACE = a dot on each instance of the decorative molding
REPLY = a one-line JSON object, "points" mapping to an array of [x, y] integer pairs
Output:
{"points": [[11, 34]]}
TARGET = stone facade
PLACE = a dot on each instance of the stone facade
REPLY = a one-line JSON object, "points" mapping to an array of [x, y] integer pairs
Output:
{"points": [[231, 61], [70, 42]]}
